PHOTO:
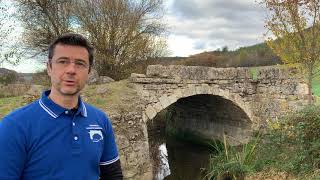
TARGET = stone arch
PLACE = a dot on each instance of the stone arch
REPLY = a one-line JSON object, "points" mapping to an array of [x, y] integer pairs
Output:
{"points": [[191, 90]]}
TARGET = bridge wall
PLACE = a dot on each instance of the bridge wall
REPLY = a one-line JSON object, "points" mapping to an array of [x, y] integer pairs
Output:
{"points": [[260, 93]]}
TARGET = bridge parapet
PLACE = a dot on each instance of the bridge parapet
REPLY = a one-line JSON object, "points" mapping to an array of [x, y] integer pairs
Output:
{"points": [[211, 73]]}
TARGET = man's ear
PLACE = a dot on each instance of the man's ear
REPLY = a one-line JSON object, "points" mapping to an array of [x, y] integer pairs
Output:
{"points": [[49, 66]]}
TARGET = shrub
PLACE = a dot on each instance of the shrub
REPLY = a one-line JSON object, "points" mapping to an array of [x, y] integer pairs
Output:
{"points": [[41, 78], [290, 145], [233, 162], [294, 145], [8, 78]]}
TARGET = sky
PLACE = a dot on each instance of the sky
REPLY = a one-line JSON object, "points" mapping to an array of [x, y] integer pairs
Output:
{"points": [[206, 25], [195, 26]]}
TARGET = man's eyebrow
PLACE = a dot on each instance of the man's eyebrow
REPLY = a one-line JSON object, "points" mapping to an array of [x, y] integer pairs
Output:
{"points": [[62, 58], [66, 58]]}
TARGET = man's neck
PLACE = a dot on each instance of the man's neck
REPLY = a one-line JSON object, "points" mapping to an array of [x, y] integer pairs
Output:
{"points": [[66, 101]]}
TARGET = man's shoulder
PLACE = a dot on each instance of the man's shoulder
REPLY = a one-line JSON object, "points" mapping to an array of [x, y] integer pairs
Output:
{"points": [[23, 111], [92, 109]]}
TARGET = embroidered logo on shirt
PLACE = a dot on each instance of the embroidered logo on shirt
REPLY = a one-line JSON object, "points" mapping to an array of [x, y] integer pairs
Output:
{"points": [[95, 133]]}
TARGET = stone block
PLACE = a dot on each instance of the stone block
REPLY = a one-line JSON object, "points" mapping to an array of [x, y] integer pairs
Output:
{"points": [[158, 107], [172, 99], [135, 75], [178, 94], [302, 89], [165, 102], [151, 112]]}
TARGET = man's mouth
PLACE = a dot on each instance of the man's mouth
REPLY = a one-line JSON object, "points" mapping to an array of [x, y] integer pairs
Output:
{"points": [[69, 82]]}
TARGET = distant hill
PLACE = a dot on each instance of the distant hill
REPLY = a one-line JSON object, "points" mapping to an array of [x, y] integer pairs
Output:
{"points": [[256, 55], [4, 71], [15, 76]]}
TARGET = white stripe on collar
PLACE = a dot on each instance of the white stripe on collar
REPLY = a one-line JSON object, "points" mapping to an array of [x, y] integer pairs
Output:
{"points": [[84, 110], [44, 107]]}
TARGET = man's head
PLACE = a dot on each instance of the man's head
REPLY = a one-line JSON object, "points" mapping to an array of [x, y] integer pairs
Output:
{"points": [[73, 40], [69, 61]]}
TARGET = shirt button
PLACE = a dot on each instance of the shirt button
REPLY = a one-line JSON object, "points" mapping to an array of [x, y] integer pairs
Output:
{"points": [[73, 124], [75, 138], [66, 112]]}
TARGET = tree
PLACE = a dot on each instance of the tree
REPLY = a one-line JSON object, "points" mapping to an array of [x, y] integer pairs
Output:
{"points": [[8, 52], [296, 26], [225, 49], [43, 21], [123, 31]]}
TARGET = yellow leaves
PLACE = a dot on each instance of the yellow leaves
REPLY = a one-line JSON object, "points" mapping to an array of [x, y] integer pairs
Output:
{"points": [[274, 125]]}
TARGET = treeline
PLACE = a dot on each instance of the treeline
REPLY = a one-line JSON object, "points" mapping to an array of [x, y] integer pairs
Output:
{"points": [[256, 55], [123, 32]]}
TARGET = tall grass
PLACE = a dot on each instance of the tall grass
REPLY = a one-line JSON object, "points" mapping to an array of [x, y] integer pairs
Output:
{"points": [[232, 162]]}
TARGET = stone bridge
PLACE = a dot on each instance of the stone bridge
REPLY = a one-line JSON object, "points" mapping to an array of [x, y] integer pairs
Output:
{"points": [[216, 101]]}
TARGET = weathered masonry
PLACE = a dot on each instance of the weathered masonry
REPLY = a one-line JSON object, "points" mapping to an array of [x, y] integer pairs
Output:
{"points": [[234, 101]]}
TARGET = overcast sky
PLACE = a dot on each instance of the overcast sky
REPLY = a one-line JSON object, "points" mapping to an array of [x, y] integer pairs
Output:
{"points": [[205, 25]]}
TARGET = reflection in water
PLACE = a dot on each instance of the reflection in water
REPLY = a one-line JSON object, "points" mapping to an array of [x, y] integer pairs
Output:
{"points": [[181, 161], [164, 169]]}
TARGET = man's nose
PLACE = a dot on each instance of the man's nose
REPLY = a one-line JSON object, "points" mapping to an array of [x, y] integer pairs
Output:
{"points": [[71, 68]]}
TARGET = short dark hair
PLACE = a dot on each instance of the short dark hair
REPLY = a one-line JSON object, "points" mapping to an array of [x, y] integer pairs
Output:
{"points": [[74, 40]]}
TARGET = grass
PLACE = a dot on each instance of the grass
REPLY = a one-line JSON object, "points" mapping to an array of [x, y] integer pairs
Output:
{"points": [[254, 73], [233, 162], [316, 86], [118, 97], [8, 104]]}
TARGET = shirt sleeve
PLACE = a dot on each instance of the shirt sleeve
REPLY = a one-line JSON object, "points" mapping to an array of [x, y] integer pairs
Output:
{"points": [[110, 151], [12, 150]]}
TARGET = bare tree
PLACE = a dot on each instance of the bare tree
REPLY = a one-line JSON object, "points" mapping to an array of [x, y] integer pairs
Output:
{"points": [[123, 31], [44, 20], [8, 51]]}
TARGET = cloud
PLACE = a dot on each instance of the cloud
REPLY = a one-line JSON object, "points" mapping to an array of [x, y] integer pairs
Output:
{"points": [[213, 24]]}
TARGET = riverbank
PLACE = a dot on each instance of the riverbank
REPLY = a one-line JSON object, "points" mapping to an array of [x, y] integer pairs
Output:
{"points": [[289, 149]]}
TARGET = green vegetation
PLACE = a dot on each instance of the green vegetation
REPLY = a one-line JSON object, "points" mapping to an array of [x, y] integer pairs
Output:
{"points": [[316, 86], [115, 97], [254, 73], [8, 78], [9, 104], [290, 146], [232, 162]]}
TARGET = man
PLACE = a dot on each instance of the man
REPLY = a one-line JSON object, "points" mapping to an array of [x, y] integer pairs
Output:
{"points": [[59, 137]]}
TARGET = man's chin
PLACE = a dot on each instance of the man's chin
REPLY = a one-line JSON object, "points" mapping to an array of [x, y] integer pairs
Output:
{"points": [[70, 92]]}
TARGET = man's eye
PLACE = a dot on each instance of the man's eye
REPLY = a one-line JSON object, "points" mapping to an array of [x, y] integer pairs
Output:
{"points": [[79, 63]]}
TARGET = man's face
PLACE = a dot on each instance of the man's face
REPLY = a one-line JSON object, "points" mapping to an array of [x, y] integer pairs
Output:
{"points": [[69, 69]]}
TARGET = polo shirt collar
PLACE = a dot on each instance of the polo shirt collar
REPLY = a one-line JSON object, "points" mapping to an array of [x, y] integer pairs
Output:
{"points": [[56, 110]]}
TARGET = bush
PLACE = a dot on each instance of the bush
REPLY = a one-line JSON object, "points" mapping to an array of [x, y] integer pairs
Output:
{"points": [[12, 90], [233, 162], [8, 78], [293, 145], [41, 78]]}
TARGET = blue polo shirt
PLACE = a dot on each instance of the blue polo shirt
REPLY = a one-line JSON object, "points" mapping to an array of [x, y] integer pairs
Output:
{"points": [[44, 141]]}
